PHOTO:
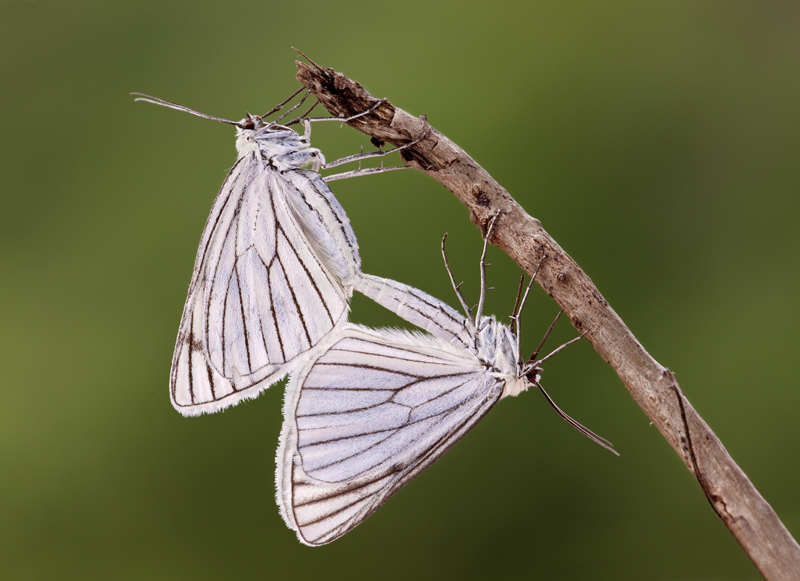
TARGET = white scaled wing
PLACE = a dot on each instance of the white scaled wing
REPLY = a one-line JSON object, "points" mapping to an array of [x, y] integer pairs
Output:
{"points": [[365, 416], [267, 285], [419, 308]]}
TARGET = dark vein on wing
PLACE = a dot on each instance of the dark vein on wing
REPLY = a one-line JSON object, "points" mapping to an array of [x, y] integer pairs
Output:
{"points": [[419, 379], [396, 358], [350, 410], [363, 366], [263, 333], [214, 264], [224, 318], [244, 319], [436, 419], [277, 331], [295, 301], [347, 489], [191, 379], [352, 244], [398, 475], [438, 449], [389, 433], [202, 256], [269, 278], [376, 499], [390, 400], [308, 273], [424, 298], [322, 195], [211, 382]]}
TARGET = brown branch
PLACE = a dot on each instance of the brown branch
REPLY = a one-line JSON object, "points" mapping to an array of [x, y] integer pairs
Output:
{"points": [[737, 502]]}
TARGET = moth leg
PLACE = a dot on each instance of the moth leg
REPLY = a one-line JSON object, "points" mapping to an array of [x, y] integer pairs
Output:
{"points": [[279, 106], [352, 117], [362, 172], [362, 155], [482, 299], [457, 287], [518, 313], [546, 335]]}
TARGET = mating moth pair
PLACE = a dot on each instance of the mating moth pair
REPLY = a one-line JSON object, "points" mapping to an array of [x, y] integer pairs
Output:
{"points": [[365, 410]]}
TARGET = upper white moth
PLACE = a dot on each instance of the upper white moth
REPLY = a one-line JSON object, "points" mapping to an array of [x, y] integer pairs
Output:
{"points": [[274, 271]]}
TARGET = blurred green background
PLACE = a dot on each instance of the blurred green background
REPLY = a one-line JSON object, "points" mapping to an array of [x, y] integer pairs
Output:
{"points": [[656, 141]]}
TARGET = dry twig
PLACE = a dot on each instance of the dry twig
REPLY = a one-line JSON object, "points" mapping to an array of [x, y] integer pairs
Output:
{"points": [[737, 502]]}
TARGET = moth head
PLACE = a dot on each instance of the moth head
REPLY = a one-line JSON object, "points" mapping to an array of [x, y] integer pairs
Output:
{"points": [[244, 143], [532, 372], [253, 122]]}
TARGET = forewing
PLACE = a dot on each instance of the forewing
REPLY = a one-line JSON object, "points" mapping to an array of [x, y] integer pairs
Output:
{"points": [[365, 417], [195, 386], [260, 296], [417, 307], [324, 222]]}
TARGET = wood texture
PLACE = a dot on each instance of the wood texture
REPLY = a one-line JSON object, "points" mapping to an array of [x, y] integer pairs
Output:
{"points": [[734, 498]]}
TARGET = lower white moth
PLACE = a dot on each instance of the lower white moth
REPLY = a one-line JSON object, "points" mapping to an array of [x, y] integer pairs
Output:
{"points": [[274, 270], [375, 407]]}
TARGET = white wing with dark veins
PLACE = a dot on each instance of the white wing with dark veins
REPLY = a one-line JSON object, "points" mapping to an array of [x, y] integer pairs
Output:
{"points": [[267, 285], [365, 416], [418, 307]]}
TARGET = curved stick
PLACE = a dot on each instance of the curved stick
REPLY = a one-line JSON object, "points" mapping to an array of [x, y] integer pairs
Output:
{"points": [[734, 498]]}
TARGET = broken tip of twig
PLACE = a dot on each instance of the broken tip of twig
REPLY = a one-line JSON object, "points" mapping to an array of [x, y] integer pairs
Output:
{"points": [[312, 63]]}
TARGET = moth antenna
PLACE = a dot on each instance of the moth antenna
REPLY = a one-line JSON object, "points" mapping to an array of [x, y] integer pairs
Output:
{"points": [[581, 428], [169, 104]]}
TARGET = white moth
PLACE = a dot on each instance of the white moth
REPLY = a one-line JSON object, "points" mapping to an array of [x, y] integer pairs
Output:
{"points": [[375, 407], [273, 273]]}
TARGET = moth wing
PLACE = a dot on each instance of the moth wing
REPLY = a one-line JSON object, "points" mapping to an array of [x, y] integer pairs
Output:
{"points": [[324, 222], [195, 386], [261, 294], [417, 307], [364, 417]]}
